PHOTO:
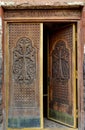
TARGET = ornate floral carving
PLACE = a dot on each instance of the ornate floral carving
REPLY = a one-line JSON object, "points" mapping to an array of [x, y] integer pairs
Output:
{"points": [[24, 61]]}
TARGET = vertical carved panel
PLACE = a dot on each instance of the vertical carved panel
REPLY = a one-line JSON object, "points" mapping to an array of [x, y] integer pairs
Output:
{"points": [[24, 75]]}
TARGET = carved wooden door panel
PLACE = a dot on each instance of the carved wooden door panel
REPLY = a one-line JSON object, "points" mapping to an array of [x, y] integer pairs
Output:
{"points": [[23, 75], [62, 66]]}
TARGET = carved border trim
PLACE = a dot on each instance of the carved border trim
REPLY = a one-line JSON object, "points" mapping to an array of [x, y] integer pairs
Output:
{"points": [[43, 13]]}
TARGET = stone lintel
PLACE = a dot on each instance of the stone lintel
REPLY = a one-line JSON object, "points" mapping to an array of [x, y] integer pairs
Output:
{"points": [[38, 4]]}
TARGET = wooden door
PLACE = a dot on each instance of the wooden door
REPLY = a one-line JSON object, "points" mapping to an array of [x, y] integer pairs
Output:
{"points": [[62, 102], [23, 75]]}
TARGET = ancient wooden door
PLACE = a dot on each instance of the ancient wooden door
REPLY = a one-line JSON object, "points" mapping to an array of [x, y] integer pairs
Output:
{"points": [[23, 75], [62, 103]]}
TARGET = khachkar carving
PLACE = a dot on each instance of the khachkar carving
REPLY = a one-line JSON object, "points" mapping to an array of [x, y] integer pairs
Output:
{"points": [[24, 62], [60, 72]]}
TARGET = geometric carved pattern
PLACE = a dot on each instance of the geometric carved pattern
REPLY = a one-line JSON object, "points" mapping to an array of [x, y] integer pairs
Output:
{"points": [[24, 96], [60, 72], [24, 62]]}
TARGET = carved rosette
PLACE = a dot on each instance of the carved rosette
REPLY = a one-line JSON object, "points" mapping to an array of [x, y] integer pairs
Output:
{"points": [[24, 62]]}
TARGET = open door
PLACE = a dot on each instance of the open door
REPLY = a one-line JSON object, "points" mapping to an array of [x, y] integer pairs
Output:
{"points": [[23, 62], [62, 103]]}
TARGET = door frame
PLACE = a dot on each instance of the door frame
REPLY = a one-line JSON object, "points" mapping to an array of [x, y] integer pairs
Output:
{"points": [[79, 49]]}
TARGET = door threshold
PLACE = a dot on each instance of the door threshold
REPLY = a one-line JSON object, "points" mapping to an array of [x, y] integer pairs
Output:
{"points": [[46, 129], [57, 129], [60, 129]]}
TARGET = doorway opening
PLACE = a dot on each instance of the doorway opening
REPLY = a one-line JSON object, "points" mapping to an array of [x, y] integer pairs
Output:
{"points": [[51, 31]]}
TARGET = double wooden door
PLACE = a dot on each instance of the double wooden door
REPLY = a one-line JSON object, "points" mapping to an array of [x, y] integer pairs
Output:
{"points": [[23, 75]]}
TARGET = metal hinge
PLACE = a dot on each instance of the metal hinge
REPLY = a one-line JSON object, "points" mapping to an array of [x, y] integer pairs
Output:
{"points": [[76, 113], [76, 74], [75, 37]]}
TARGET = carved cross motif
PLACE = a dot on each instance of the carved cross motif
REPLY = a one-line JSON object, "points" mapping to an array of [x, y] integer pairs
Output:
{"points": [[24, 61], [60, 62]]}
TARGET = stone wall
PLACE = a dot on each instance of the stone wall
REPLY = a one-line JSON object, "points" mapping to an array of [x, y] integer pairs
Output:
{"points": [[1, 102], [45, 2]]}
